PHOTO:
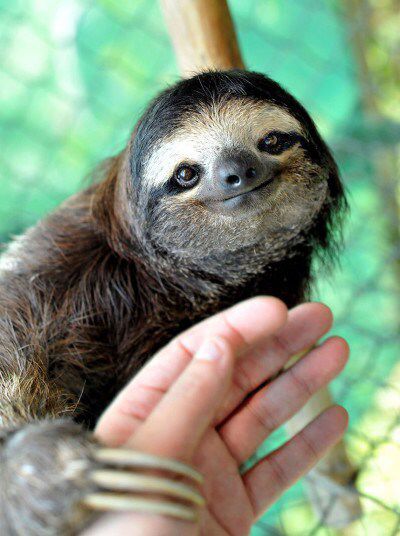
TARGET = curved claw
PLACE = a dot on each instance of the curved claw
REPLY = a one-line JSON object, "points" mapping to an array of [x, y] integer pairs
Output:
{"points": [[135, 459], [127, 490], [111, 501], [136, 483]]}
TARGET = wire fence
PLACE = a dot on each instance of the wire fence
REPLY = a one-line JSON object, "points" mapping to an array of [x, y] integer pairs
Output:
{"points": [[75, 76]]}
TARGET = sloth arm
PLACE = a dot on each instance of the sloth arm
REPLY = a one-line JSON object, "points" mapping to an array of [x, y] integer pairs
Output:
{"points": [[43, 453]]}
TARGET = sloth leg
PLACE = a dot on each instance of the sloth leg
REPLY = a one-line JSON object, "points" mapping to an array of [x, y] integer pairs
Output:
{"points": [[55, 480], [43, 462]]}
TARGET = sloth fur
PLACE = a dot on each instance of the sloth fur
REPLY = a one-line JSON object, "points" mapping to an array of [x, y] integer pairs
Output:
{"points": [[94, 290]]}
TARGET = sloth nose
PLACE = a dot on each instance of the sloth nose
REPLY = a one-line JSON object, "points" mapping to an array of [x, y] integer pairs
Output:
{"points": [[240, 175], [237, 172]]}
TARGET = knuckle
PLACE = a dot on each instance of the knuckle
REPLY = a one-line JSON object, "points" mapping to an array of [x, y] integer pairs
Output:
{"points": [[307, 448], [233, 332], [303, 387], [279, 473], [264, 416]]}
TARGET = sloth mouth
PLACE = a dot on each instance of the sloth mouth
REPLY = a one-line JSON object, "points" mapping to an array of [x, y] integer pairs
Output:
{"points": [[259, 187]]}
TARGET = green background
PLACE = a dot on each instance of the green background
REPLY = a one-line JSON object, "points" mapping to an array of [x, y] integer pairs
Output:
{"points": [[74, 78]]}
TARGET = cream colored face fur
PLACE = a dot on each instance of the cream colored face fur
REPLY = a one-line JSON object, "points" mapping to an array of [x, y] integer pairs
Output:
{"points": [[202, 137], [189, 226]]}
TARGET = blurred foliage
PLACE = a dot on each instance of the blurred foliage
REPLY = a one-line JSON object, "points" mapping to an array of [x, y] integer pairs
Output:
{"points": [[76, 75]]}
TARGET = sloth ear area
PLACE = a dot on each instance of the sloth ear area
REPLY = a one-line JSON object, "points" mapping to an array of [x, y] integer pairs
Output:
{"points": [[110, 209]]}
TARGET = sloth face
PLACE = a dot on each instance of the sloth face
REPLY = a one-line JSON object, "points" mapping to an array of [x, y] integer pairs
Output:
{"points": [[224, 161]]}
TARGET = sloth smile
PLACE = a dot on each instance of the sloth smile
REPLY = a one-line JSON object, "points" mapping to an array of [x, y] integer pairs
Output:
{"points": [[247, 200], [245, 196], [264, 184]]}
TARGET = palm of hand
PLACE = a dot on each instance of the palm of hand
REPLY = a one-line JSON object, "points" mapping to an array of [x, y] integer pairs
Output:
{"points": [[258, 336], [228, 508]]}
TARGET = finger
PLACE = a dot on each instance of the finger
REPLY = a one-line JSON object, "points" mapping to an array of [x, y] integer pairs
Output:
{"points": [[177, 424], [274, 404], [306, 324], [266, 482], [243, 325]]}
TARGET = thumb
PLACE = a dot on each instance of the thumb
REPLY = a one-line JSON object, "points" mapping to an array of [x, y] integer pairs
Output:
{"points": [[177, 424]]}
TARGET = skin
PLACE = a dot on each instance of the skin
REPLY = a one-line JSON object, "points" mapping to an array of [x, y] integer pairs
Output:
{"points": [[202, 378]]}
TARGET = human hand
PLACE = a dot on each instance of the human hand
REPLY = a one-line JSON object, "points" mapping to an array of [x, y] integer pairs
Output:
{"points": [[214, 413]]}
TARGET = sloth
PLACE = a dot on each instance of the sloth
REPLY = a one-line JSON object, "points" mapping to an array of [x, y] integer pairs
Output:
{"points": [[225, 190]]}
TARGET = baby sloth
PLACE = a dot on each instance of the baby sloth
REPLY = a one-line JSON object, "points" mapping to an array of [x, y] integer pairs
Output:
{"points": [[225, 190]]}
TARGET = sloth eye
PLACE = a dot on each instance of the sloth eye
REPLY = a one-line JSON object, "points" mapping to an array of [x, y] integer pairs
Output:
{"points": [[276, 142], [187, 176]]}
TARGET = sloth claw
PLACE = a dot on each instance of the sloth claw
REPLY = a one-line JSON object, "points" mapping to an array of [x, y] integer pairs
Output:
{"points": [[121, 484], [135, 459], [125, 503], [130, 482]]}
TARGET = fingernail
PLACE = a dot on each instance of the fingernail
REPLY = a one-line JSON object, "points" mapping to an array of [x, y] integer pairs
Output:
{"points": [[209, 351]]}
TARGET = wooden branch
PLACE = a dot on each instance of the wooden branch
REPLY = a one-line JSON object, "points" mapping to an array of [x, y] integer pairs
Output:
{"points": [[203, 35]]}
